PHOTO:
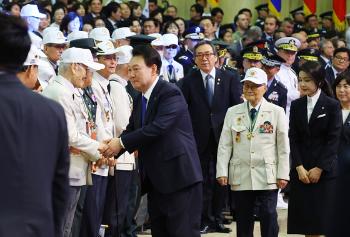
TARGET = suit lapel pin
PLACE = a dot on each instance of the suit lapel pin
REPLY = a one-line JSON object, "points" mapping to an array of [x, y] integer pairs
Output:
{"points": [[322, 107], [218, 83]]}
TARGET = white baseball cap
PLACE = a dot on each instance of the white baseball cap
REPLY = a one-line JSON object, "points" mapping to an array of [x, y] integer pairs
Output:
{"points": [[77, 34], [105, 48], [256, 75], [49, 29], [122, 33], [34, 56], [170, 39], [31, 10], [84, 56], [54, 37], [124, 54], [100, 34]]}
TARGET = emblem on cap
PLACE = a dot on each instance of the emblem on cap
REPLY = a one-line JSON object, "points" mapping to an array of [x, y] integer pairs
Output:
{"points": [[198, 30], [255, 49], [292, 42], [252, 73]]}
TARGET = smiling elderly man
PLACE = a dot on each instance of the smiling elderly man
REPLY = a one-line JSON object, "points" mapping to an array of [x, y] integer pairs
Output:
{"points": [[253, 155]]}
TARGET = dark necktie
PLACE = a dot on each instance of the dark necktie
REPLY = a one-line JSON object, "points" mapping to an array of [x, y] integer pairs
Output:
{"points": [[209, 86], [109, 88], [253, 112], [171, 73], [143, 110]]}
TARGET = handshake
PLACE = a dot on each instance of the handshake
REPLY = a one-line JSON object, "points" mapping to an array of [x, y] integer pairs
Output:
{"points": [[110, 147]]}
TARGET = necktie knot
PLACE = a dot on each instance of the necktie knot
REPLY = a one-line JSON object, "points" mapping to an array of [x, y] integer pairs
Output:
{"points": [[109, 88], [253, 112]]}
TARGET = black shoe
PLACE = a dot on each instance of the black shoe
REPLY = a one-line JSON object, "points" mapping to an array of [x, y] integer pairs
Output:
{"points": [[220, 228], [205, 229]]}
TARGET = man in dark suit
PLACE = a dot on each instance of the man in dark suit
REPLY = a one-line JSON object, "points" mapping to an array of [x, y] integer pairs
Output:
{"points": [[160, 130], [340, 62], [209, 92], [34, 146]]}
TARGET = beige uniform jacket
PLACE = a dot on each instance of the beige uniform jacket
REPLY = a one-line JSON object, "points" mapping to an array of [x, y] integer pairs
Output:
{"points": [[254, 164]]}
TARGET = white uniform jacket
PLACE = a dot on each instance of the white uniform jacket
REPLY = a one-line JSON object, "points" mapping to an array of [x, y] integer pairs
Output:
{"points": [[289, 79], [46, 72], [122, 109], [178, 69], [254, 164], [62, 91]]}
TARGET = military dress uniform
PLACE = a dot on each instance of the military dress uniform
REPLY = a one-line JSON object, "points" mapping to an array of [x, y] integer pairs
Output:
{"points": [[286, 74]]}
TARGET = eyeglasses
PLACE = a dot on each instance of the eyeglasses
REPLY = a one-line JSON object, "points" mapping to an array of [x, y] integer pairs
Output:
{"points": [[173, 46], [252, 86], [109, 57], [204, 55], [341, 59]]}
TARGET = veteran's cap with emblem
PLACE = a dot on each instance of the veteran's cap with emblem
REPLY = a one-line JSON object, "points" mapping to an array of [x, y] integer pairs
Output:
{"points": [[288, 43], [194, 33], [272, 60], [255, 75], [105, 48], [252, 53], [54, 37], [309, 54]]}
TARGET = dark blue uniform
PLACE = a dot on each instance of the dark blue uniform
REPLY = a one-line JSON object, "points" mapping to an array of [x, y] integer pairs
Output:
{"points": [[187, 61], [277, 94]]}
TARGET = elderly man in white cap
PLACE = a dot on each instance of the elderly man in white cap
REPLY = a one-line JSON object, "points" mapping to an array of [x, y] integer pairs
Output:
{"points": [[28, 74], [253, 155], [171, 70], [287, 49], [54, 44], [82, 131], [119, 36], [30, 13], [96, 194]]}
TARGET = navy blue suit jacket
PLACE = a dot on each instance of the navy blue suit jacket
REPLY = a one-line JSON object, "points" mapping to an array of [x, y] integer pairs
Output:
{"points": [[165, 142], [205, 119], [34, 160], [315, 143]]}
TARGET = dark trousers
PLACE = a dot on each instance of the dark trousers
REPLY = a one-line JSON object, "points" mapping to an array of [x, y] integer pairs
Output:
{"points": [[132, 206], [176, 214], [245, 201], [117, 202], [213, 193], [94, 205]]}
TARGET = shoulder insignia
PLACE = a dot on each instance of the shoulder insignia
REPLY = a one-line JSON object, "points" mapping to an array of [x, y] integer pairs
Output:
{"points": [[183, 58]]}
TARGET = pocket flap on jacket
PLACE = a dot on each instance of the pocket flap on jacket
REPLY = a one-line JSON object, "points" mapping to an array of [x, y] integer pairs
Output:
{"points": [[173, 153], [238, 128]]}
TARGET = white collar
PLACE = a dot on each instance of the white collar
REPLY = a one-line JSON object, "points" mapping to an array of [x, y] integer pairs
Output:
{"points": [[313, 99], [68, 84], [335, 71], [101, 80], [118, 78], [148, 93], [166, 62], [211, 73]]}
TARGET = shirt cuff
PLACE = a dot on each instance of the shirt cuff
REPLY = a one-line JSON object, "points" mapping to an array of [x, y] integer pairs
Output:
{"points": [[121, 143]]}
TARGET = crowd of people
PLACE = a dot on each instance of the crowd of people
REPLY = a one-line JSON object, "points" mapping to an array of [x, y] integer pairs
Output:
{"points": [[166, 123]]}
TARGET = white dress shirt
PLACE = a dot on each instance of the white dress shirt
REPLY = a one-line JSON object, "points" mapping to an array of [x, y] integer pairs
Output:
{"points": [[311, 102]]}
